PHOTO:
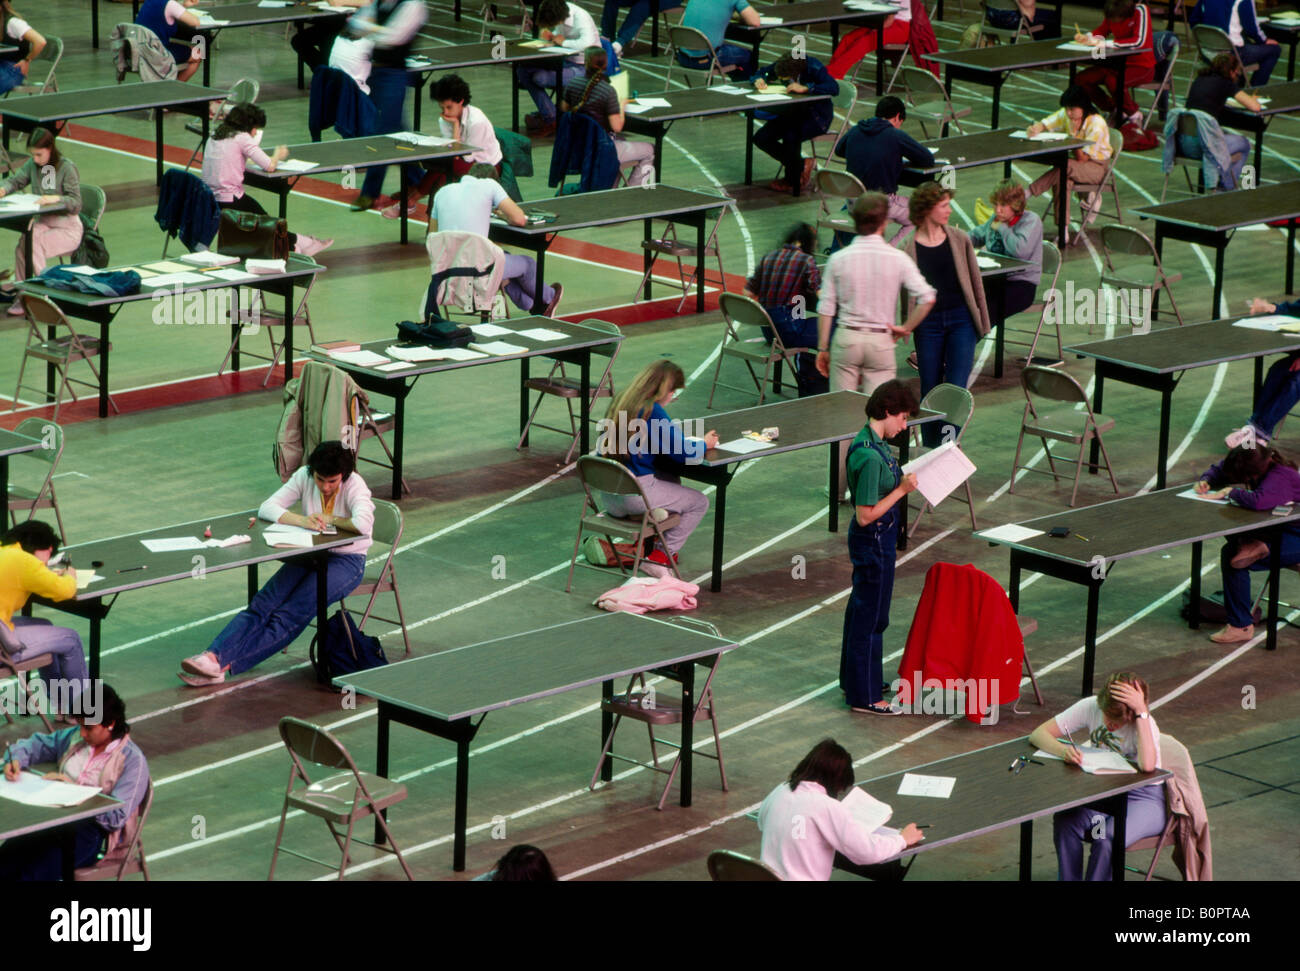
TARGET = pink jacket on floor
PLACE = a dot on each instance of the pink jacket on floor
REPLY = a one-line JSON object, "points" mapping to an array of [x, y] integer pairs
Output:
{"points": [[641, 595]]}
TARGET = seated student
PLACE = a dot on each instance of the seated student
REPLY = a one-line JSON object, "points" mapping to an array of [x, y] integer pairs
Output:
{"points": [[654, 456], [563, 25], [783, 136], [1238, 20], [1215, 85], [875, 150], [1014, 231], [860, 42], [786, 282], [97, 751], [315, 42], [331, 493], [167, 18], [1010, 19], [1115, 718], [25, 552], [636, 16], [1281, 388], [461, 122], [467, 206], [236, 142], [15, 65], [54, 234], [594, 96], [804, 824], [1256, 476], [1078, 118], [710, 17], [1130, 22]]}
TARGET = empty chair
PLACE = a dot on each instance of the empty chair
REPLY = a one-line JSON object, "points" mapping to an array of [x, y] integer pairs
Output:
{"points": [[726, 866], [833, 185], [1043, 386], [929, 101], [259, 316], [52, 338], [689, 39], [560, 383], [386, 531], [845, 101], [678, 249], [244, 91], [128, 856], [502, 12], [1119, 245], [599, 475], [1166, 48], [957, 405], [31, 494], [1047, 304], [344, 798], [10, 647], [745, 326], [49, 59]]}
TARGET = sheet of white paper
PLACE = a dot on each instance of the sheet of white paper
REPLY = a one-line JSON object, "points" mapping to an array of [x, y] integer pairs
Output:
{"points": [[987, 262], [1070, 45], [1192, 494], [731, 89], [84, 270], [234, 276], [9, 208], [283, 535], [1010, 533], [1271, 322], [86, 577], [555, 49], [490, 330], [541, 334], [418, 138], [360, 358], [173, 544], [394, 365], [498, 347], [21, 198], [743, 446], [621, 82], [1042, 136], [935, 786], [236, 540], [166, 266], [209, 258], [462, 354], [940, 471], [264, 266], [295, 165], [206, 21], [413, 354], [274, 4], [866, 809], [32, 790], [769, 97], [1096, 761], [645, 103], [769, 21], [174, 279]]}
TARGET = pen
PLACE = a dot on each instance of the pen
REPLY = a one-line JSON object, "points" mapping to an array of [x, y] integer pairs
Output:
{"points": [[1084, 538], [404, 148], [132, 569], [1070, 738], [371, 148], [923, 826]]}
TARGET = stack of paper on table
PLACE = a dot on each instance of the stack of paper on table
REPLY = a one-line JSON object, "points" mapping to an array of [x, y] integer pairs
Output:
{"points": [[500, 348], [231, 274], [265, 266], [490, 330], [770, 96], [32, 790], [645, 104], [20, 202], [1097, 761], [1270, 322], [541, 334], [423, 353], [1010, 533], [175, 279], [282, 536], [359, 358], [208, 258], [940, 471], [987, 262], [743, 446]]}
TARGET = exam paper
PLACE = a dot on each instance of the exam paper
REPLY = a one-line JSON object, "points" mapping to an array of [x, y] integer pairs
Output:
{"points": [[866, 809], [1096, 761], [731, 89], [86, 577], [770, 21], [274, 4], [498, 347], [207, 21], [417, 138], [542, 334], [934, 786], [174, 279], [32, 790], [490, 330], [769, 97], [208, 258], [1010, 533], [359, 358], [1193, 494], [647, 103], [265, 266], [556, 49], [743, 446], [1270, 322], [166, 266], [234, 276], [173, 544], [394, 365], [987, 262], [295, 165], [940, 471], [281, 535], [1042, 136], [411, 355]]}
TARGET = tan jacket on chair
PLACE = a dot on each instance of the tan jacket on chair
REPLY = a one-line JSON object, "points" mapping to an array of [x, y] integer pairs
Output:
{"points": [[1183, 799], [968, 272], [472, 294]]}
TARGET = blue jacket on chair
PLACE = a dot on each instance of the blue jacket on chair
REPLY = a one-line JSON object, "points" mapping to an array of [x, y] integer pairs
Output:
{"points": [[337, 102], [584, 149], [1216, 160], [188, 209]]}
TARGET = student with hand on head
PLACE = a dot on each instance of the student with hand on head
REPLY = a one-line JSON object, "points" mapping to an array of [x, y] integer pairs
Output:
{"points": [[1078, 118], [1117, 718], [330, 493], [54, 178], [25, 552], [711, 17], [561, 24], [237, 141], [1013, 231], [804, 824], [875, 151], [1130, 23], [15, 66], [594, 96], [171, 19], [467, 206], [785, 282], [1281, 388], [97, 751], [1254, 475], [783, 136]]}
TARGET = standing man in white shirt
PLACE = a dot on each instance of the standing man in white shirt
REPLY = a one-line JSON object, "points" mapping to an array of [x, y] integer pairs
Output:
{"points": [[564, 25], [859, 295]]}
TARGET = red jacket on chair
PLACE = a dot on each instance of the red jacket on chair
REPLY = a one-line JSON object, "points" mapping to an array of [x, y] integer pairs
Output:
{"points": [[964, 628]]}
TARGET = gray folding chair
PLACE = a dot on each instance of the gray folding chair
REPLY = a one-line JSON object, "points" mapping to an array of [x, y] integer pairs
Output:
{"points": [[1120, 245], [690, 39], [1042, 306], [386, 531], [10, 648], [844, 102], [1163, 83], [1211, 42], [244, 91], [52, 338], [743, 321], [957, 405], [929, 100], [261, 317], [728, 867], [38, 490], [52, 54], [560, 384], [1060, 424], [834, 185], [1093, 194], [1007, 35], [506, 12], [126, 858], [1174, 757], [678, 249]]}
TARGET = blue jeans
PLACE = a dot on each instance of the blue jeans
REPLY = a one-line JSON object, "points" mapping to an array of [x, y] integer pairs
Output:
{"points": [[520, 282], [1279, 394], [800, 332], [783, 138], [388, 92], [39, 856], [636, 16], [282, 610], [729, 55], [1144, 816], [945, 354], [873, 550], [38, 636], [539, 83], [1238, 145], [1236, 583], [11, 76], [1265, 55]]}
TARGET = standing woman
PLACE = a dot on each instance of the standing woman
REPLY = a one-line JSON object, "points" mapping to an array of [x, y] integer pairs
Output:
{"points": [[594, 96], [1116, 718], [15, 30], [875, 485], [236, 141], [1013, 231], [56, 179], [1078, 118], [171, 19], [945, 339], [652, 455]]}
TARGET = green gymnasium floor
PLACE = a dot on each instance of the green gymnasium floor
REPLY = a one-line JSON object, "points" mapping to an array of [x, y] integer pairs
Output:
{"points": [[188, 444]]}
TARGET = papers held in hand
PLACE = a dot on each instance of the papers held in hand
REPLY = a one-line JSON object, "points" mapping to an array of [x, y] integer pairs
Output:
{"points": [[940, 471], [866, 810], [1096, 761]]}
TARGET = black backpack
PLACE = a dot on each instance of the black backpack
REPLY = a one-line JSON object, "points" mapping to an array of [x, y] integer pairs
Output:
{"points": [[92, 251], [346, 650]]}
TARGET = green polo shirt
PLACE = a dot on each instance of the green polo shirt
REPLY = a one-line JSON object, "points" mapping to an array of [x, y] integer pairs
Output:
{"points": [[870, 477]]}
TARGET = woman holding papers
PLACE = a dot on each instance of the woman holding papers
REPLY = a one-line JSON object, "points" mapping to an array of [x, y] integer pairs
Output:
{"points": [[1281, 389], [97, 752], [1117, 719], [959, 317], [875, 485], [55, 179], [805, 823], [1078, 118], [331, 494], [236, 142], [1256, 476]]}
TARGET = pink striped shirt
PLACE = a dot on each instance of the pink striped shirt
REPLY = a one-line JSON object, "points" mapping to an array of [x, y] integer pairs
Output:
{"points": [[223, 164]]}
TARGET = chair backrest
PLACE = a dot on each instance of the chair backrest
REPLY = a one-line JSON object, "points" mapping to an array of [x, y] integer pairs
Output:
{"points": [[607, 475], [1189, 126], [244, 91], [1211, 41], [53, 53], [840, 185], [725, 865], [449, 250], [956, 403], [43, 311], [93, 203], [307, 742], [741, 311], [1051, 269], [923, 85], [1166, 46], [1126, 240], [611, 349], [1046, 382], [47, 432], [688, 38]]}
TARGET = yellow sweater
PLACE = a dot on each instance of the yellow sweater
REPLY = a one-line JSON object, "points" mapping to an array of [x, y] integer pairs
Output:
{"points": [[21, 575]]}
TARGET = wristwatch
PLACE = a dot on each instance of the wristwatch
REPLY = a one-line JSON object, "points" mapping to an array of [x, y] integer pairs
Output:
{"points": [[1145, 714]]}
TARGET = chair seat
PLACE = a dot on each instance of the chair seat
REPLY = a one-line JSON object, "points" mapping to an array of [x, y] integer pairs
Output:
{"points": [[332, 798], [564, 387], [18, 492], [938, 109], [1140, 275], [633, 706], [760, 353], [107, 868], [1067, 425], [631, 526], [61, 348], [673, 247]]}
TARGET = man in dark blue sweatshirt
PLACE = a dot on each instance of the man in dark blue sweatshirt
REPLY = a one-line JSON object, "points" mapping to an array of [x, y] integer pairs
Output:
{"points": [[783, 136], [876, 150]]}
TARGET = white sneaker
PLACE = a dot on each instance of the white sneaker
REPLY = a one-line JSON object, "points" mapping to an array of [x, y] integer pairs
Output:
{"points": [[1135, 119], [203, 664], [395, 210], [618, 49], [310, 245], [201, 680], [1243, 434]]}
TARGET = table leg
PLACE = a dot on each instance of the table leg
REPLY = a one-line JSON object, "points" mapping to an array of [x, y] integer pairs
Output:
{"points": [[999, 324], [1119, 815], [321, 565], [701, 262], [538, 303], [1274, 569], [207, 64], [399, 428], [288, 331], [1218, 275], [252, 579], [523, 401], [833, 490], [1160, 252], [381, 758], [94, 32], [284, 200], [235, 331], [606, 726], [419, 90], [103, 368], [660, 132], [1061, 185], [1290, 255], [1013, 583], [1099, 386], [462, 803], [719, 528], [997, 96], [401, 200], [1162, 456], [584, 408], [1259, 383], [1194, 587], [4, 489], [880, 59], [654, 28], [514, 104], [1090, 638], [749, 148], [1026, 849], [647, 258], [158, 141], [302, 75], [687, 750]]}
